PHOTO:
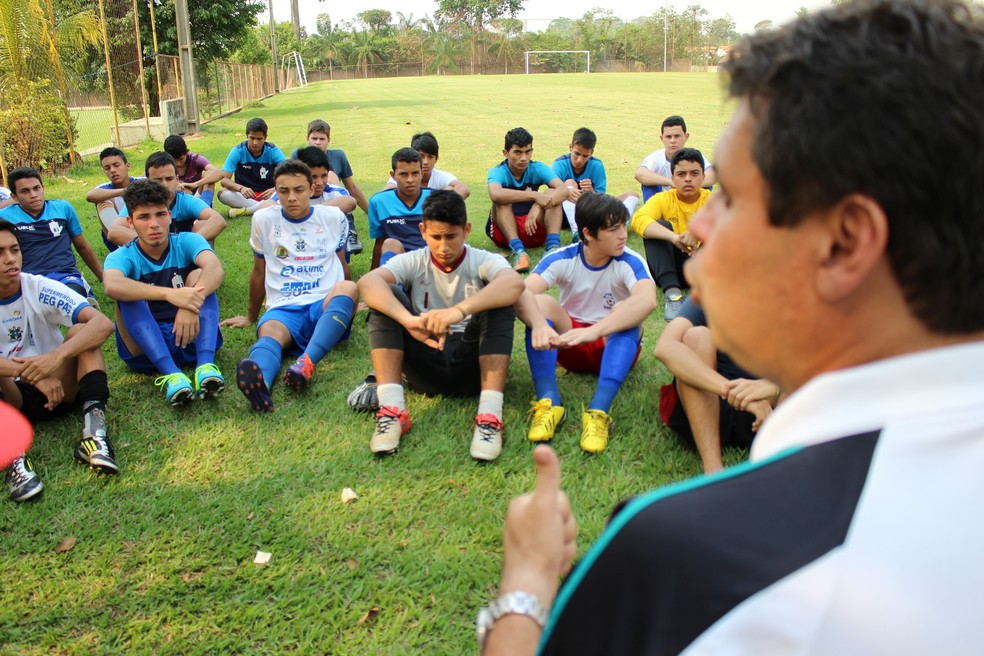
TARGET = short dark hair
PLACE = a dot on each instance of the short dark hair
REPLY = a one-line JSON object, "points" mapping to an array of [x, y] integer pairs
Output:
{"points": [[317, 125], [673, 121], [313, 157], [585, 138], [595, 212], [175, 146], [256, 125], [7, 226], [112, 151], [425, 142], [404, 155], [446, 206], [292, 167], [22, 173], [518, 137], [687, 155], [880, 70], [144, 193], [157, 160]]}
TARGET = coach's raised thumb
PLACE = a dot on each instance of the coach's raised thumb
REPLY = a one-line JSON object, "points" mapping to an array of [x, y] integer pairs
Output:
{"points": [[547, 470]]}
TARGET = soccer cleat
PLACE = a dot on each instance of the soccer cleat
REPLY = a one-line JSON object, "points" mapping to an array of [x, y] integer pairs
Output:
{"points": [[22, 480], [208, 381], [177, 388], [521, 261], [298, 375], [595, 430], [363, 398], [236, 212], [354, 245], [249, 378], [546, 419], [672, 307], [97, 452], [391, 424], [487, 439]]}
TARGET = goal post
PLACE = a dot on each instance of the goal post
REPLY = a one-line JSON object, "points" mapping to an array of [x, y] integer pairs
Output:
{"points": [[545, 55]]}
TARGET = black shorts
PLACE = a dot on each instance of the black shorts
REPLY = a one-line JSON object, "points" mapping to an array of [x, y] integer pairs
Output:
{"points": [[33, 402], [735, 425]]}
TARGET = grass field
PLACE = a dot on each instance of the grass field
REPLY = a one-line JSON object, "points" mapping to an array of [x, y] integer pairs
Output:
{"points": [[163, 560], [94, 127]]}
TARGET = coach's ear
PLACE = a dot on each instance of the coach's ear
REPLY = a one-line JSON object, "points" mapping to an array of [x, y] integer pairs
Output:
{"points": [[856, 231]]}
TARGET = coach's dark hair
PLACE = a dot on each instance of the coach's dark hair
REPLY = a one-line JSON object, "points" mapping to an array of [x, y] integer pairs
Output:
{"points": [[7, 226], [313, 157], [687, 155], [585, 138], [425, 142], [144, 193], [256, 125], [673, 121], [292, 167], [112, 151], [404, 155], [22, 173], [159, 159], [518, 137], [839, 97], [175, 146], [595, 212], [317, 125], [445, 206]]}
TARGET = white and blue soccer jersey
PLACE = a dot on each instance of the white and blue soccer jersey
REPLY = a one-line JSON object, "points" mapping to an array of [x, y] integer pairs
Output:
{"points": [[330, 192], [588, 293], [117, 201], [253, 172], [438, 179], [535, 175], [4, 194], [301, 258], [185, 210], [594, 170], [29, 321], [46, 240], [390, 217], [170, 270]]}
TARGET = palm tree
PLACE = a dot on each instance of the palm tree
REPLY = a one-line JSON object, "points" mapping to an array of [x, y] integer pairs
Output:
{"points": [[443, 51], [508, 40], [365, 49]]}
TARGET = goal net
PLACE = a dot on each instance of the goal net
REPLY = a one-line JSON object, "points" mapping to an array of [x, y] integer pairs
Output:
{"points": [[558, 61]]}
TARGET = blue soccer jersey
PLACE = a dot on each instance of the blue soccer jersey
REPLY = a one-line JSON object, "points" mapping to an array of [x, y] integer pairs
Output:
{"points": [[253, 172], [337, 162], [535, 175], [169, 271], [185, 210], [46, 240], [389, 216], [594, 170]]}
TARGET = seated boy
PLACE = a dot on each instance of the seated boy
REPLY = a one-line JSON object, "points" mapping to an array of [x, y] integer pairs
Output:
{"points": [[654, 173], [582, 172], [45, 375], [593, 325], [167, 314], [663, 223], [425, 143], [442, 316], [322, 191], [299, 266], [196, 175], [522, 216], [108, 197], [252, 163]]}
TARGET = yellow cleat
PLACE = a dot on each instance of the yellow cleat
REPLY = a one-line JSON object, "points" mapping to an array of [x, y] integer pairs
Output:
{"points": [[595, 430], [546, 418]]}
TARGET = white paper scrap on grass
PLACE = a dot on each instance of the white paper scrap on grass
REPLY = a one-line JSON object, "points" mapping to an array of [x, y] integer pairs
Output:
{"points": [[262, 558]]}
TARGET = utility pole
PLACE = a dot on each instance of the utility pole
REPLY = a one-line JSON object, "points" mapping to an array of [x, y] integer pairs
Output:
{"points": [[273, 50], [187, 65]]}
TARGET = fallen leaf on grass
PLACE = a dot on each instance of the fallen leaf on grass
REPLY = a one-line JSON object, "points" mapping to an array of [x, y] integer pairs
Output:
{"points": [[352, 563], [262, 558], [65, 545], [348, 494], [250, 516], [369, 616], [71, 181]]}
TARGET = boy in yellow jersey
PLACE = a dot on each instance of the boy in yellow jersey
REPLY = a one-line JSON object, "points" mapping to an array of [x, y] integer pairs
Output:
{"points": [[663, 223]]}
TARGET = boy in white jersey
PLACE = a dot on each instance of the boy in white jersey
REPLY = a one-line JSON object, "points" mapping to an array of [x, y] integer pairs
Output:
{"points": [[44, 374], [449, 333], [425, 143], [299, 265]]}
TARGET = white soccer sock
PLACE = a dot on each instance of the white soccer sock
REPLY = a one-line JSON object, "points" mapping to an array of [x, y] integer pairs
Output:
{"points": [[490, 402], [391, 394], [632, 204], [236, 199], [569, 213]]}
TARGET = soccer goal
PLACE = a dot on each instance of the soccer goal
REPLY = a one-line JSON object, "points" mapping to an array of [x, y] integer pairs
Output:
{"points": [[293, 70], [558, 61]]}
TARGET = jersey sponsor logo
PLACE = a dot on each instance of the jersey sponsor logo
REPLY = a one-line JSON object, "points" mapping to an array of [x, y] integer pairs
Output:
{"points": [[15, 334], [25, 226], [281, 252], [301, 268], [303, 258], [609, 300], [56, 300], [297, 288], [55, 227], [264, 171], [16, 317], [396, 221]]}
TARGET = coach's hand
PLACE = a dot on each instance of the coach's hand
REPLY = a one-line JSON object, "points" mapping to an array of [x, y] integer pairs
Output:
{"points": [[186, 298], [39, 367], [186, 327], [236, 322], [53, 391]]}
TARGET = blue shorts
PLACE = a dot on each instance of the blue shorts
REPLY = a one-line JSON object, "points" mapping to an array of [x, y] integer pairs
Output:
{"points": [[73, 280], [300, 321], [182, 357]]}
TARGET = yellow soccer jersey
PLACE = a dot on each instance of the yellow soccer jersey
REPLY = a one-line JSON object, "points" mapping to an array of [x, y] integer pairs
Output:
{"points": [[667, 206]]}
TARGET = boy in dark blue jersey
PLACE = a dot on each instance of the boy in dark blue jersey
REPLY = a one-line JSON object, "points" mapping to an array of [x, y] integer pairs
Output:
{"points": [[167, 315], [251, 162]]}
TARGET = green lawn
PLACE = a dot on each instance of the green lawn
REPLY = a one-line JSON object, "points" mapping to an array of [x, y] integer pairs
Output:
{"points": [[163, 562]]}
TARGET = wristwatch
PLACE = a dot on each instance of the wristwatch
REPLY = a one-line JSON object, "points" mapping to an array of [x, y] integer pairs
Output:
{"points": [[513, 603]]}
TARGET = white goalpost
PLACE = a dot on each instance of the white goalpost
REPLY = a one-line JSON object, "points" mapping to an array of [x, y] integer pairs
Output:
{"points": [[587, 53], [293, 69]]}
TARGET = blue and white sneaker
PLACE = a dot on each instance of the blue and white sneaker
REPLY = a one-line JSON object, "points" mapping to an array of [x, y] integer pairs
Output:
{"points": [[208, 381], [177, 388]]}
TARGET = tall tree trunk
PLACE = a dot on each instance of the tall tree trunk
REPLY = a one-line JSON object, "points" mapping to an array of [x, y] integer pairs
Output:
{"points": [[295, 17]]}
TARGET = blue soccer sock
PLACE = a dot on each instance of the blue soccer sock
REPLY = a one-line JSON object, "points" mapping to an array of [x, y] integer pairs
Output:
{"points": [[207, 196], [543, 366], [552, 240], [208, 332], [143, 329], [332, 324], [516, 245], [620, 353], [267, 353]]}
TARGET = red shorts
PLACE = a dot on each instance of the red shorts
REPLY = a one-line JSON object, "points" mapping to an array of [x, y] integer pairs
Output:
{"points": [[537, 239], [585, 358]]}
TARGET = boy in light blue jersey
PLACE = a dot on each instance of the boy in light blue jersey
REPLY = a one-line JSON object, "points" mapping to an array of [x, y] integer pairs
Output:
{"points": [[252, 162]]}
